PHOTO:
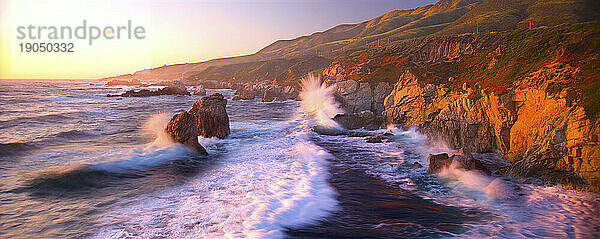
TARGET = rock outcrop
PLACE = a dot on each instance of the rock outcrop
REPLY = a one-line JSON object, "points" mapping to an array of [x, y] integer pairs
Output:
{"points": [[533, 124], [462, 159], [356, 97], [365, 119], [212, 117], [145, 93], [173, 83], [267, 92], [183, 129]]}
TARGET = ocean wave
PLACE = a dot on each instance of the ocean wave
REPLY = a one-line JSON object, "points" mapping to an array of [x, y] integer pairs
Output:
{"points": [[112, 168], [7, 149], [257, 189], [45, 118], [516, 209]]}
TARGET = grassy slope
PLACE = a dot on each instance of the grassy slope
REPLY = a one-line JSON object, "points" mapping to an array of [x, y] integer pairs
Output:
{"points": [[522, 52]]}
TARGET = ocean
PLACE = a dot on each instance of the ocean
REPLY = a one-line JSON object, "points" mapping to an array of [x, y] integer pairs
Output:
{"points": [[77, 164]]}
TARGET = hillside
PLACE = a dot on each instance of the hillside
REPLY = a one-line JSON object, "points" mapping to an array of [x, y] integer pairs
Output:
{"points": [[530, 94], [275, 62]]}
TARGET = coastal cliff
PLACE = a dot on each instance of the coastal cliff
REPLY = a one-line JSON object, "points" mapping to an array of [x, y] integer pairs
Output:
{"points": [[529, 95]]}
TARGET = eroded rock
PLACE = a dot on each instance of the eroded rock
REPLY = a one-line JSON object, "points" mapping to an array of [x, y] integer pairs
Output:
{"points": [[462, 159], [213, 120], [182, 129]]}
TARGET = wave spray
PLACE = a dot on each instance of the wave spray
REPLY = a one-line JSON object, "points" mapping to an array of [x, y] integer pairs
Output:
{"points": [[318, 101]]}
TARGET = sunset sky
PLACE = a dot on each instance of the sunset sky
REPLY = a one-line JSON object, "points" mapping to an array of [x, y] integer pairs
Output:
{"points": [[176, 31]]}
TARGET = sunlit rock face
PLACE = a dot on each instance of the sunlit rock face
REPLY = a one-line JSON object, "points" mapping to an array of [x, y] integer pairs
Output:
{"points": [[212, 117], [532, 124], [356, 97], [182, 129]]}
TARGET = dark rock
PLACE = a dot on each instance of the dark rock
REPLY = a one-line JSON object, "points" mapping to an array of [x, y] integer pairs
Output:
{"points": [[374, 139], [416, 165], [329, 131], [212, 116], [247, 93], [437, 162], [182, 128], [173, 83], [272, 94], [463, 159], [145, 93], [365, 119]]}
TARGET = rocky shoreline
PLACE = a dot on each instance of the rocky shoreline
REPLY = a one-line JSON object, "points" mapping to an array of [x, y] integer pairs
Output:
{"points": [[476, 92]]}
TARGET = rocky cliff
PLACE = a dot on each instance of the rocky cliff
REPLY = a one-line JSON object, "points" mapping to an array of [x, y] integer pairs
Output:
{"points": [[529, 95]]}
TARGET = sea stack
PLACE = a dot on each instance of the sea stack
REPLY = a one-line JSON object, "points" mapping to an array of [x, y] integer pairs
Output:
{"points": [[212, 119], [182, 128]]}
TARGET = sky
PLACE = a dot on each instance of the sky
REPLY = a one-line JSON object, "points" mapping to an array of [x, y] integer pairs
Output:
{"points": [[176, 31]]}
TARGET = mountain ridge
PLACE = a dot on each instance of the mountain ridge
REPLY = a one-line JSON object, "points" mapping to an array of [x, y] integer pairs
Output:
{"points": [[446, 17]]}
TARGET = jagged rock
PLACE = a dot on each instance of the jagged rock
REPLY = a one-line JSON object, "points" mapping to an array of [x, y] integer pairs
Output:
{"points": [[437, 162], [199, 90], [182, 128], [213, 120], [462, 159], [416, 165], [246, 93], [364, 119], [364, 97], [213, 84], [145, 93], [290, 93]]}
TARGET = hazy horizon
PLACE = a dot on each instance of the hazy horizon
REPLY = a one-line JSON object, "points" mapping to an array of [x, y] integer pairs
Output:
{"points": [[176, 32]]}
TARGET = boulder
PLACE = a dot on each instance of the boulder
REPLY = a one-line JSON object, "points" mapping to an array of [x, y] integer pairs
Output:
{"points": [[461, 159], [199, 90], [365, 119], [416, 165], [329, 130], [437, 162], [212, 116], [182, 129]]}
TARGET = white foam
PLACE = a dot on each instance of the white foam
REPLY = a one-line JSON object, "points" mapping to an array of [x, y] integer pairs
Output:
{"points": [[318, 100], [517, 210], [257, 190]]}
